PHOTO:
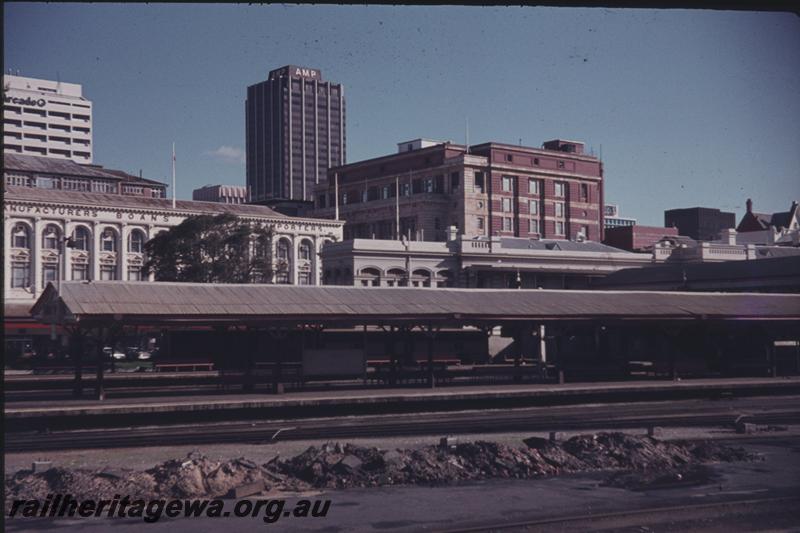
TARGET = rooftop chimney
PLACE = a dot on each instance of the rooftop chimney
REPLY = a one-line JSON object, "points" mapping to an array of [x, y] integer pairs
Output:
{"points": [[749, 204]]}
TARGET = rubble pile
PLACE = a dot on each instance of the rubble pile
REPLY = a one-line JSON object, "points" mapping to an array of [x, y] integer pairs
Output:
{"points": [[336, 466]]}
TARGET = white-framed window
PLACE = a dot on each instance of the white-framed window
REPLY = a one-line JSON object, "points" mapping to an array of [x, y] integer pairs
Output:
{"points": [[304, 277], [80, 272], [50, 237], [559, 209], [136, 241], [20, 237], [20, 275], [559, 227], [534, 228], [533, 186], [480, 223], [80, 239], [134, 274], [534, 207], [480, 182], [560, 188], [305, 251], [108, 241], [508, 224], [284, 265], [507, 205], [508, 183], [584, 192], [49, 274], [108, 272]]}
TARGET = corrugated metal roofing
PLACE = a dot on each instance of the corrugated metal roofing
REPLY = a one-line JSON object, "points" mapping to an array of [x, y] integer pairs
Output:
{"points": [[553, 244], [93, 199], [678, 274], [209, 302], [66, 167]]}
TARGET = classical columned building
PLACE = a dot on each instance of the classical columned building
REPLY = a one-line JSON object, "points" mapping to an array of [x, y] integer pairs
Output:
{"points": [[53, 235]]}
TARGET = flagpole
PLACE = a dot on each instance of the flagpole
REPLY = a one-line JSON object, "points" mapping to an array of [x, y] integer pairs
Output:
{"points": [[397, 209], [173, 175]]}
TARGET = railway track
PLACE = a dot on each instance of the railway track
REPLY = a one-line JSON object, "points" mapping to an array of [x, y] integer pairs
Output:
{"points": [[641, 518], [761, 411]]}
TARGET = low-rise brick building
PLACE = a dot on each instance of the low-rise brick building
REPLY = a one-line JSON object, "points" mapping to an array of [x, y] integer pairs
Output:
{"points": [[489, 189]]}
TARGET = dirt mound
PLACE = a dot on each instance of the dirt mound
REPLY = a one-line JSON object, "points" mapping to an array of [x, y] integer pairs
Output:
{"points": [[620, 450], [335, 465]]}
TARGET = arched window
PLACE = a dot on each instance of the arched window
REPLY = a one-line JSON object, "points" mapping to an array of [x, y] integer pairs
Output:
{"points": [[136, 241], [305, 251], [108, 240], [370, 277], [80, 239], [50, 237], [396, 277], [20, 237], [284, 264], [422, 278]]}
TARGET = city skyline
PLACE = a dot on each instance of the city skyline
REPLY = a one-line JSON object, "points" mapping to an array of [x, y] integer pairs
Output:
{"points": [[686, 108]]}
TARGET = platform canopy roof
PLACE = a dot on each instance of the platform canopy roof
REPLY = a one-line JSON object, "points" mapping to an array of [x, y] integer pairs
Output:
{"points": [[209, 304]]}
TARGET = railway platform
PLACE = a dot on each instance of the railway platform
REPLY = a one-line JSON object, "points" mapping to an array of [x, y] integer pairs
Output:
{"points": [[392, 400]]}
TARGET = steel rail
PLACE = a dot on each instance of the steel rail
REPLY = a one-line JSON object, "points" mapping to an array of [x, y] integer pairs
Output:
{"points": [[622, 514], [370, 427]]}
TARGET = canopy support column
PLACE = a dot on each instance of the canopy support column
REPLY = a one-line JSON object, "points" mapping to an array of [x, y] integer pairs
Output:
{"points": [[99, 385], [430, 333]]}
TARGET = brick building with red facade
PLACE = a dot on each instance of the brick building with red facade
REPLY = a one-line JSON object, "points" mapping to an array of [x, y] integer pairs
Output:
{"points": [[490, 189]]}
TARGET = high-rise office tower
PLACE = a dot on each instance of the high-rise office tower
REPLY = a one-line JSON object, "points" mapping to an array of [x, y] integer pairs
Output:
{"points": [[46, 118], [295, 131]]}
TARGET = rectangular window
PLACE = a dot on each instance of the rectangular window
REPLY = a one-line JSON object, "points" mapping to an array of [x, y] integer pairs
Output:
{"points": [[508, 184], [533, 186], [47, 183], [584, 192], [80, 272], [479, 182], [509, 158], [560, 189], [559, 228], [20, 275], [480, 223], [134, 274], [534, 225], [108, 273], [508, 224], [454, 180], [534, 207], [406, 189], [559, 209], [49, 274], [560, 164], [321, 201], [585, 231], [428, 184], [507, 205]]}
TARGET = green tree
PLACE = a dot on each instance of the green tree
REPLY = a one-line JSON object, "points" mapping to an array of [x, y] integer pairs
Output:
{"points": [[211, 249]]}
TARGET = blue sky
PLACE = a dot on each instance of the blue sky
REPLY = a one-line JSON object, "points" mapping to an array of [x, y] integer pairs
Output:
{"points": [[689, 107]]}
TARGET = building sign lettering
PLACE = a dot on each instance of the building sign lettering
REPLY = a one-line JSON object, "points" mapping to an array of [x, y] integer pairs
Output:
{"points": [[23, 101]]}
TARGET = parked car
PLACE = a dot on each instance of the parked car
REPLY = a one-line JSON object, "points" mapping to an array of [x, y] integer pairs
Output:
{"points": [[114, 353]]}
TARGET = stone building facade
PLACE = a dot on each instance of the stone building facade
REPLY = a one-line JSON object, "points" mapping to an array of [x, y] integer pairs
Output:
{"points": [[490, 189], [53, 235], [495, 262]]}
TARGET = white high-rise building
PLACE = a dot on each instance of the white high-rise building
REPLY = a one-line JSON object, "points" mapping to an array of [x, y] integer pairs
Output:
{"points": [[46, 118]]}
